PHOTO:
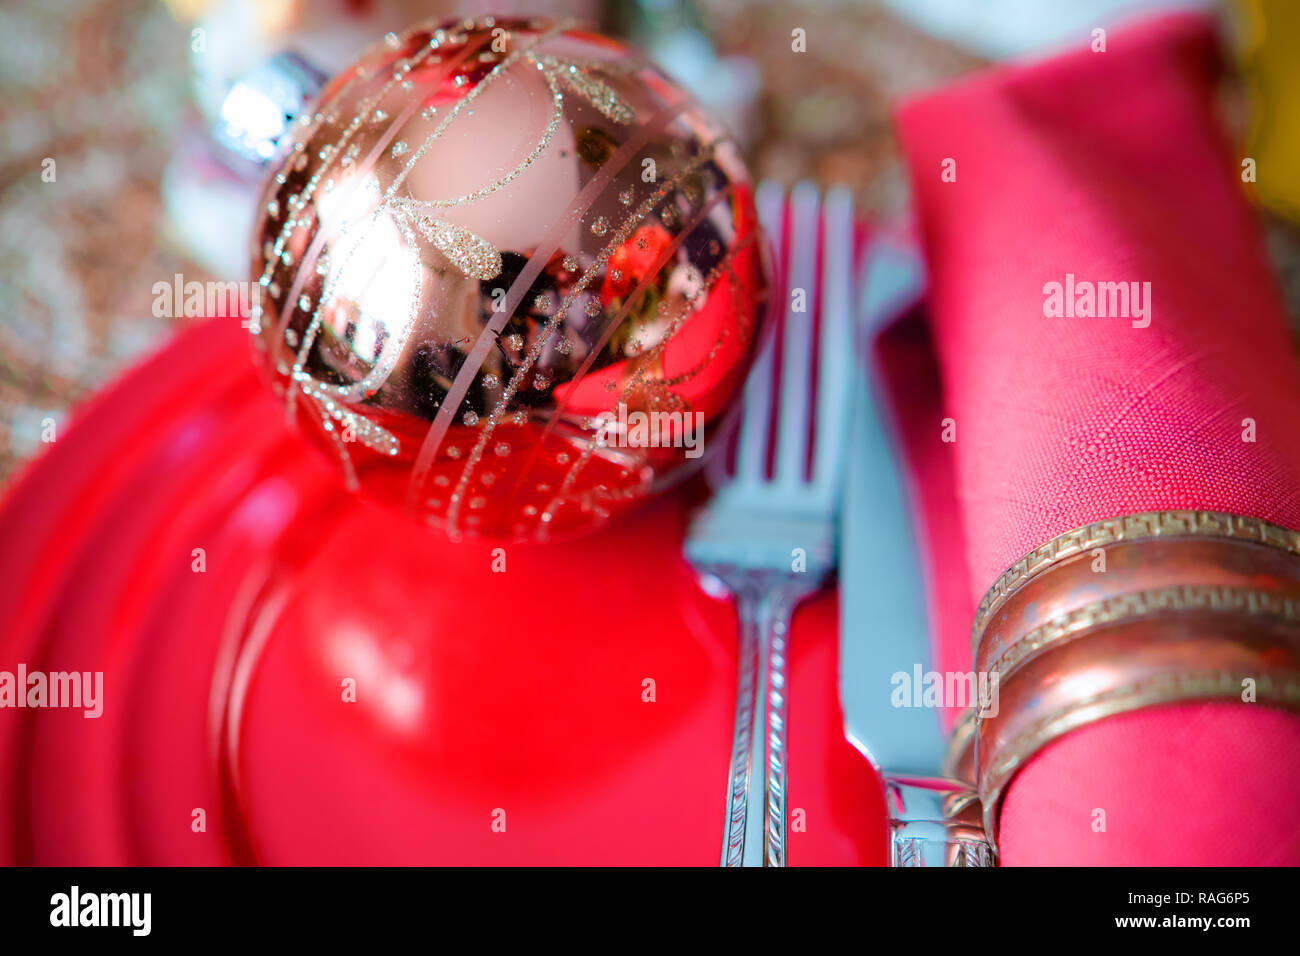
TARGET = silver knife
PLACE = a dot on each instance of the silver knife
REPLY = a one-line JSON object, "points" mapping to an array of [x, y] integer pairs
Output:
{"points": [[933, 821]]}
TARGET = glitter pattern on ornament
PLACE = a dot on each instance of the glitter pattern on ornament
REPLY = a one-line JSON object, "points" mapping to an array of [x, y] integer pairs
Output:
{"points": [[491, 246]]}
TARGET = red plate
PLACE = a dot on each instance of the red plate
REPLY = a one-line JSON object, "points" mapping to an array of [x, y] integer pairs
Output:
{"points": [[482, 697]]}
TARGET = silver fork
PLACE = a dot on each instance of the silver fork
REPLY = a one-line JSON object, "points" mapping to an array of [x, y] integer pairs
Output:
{"points": [[769, 541]]}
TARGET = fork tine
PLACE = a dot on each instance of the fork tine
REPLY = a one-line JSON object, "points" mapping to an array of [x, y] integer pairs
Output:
{"points": [[794, 424], [751, 451], [836, 345]]}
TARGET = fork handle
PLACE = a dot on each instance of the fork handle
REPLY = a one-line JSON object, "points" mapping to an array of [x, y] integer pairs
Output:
{"points": [[755, 833], [745, 756]]}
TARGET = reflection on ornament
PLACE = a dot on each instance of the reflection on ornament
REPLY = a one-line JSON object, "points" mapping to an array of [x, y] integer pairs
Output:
{"points": [[489, 239]]}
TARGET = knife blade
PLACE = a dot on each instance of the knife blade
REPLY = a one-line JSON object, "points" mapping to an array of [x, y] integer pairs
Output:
{"points": [[884, 632], [883, 625]]}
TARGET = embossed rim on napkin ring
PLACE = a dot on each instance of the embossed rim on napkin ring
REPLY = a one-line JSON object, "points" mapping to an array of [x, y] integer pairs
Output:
{"points": [[1127, 613]]}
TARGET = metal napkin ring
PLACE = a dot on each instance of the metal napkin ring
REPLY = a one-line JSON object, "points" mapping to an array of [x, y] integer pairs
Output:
{"points": [[1131, 612]]}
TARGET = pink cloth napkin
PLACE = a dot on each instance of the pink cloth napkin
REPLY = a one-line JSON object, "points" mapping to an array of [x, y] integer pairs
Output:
{"points": [[1110, 167]]}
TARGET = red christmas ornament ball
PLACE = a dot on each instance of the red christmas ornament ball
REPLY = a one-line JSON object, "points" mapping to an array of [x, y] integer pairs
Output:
{"points": [[511, 276]]}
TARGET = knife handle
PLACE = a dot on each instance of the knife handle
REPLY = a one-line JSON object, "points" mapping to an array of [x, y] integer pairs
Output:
{"points": [[935, 821]]}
